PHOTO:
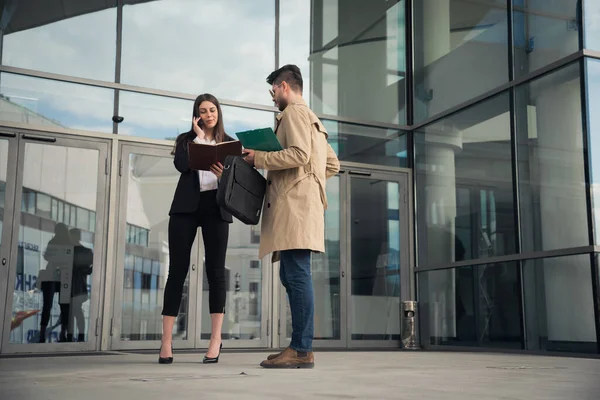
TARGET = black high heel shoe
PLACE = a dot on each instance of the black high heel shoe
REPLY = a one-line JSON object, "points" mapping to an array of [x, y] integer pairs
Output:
{"points": [[212, 360], [165, 360]]}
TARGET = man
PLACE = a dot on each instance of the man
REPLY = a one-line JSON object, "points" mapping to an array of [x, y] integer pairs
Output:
{"points": [[293, 220]]}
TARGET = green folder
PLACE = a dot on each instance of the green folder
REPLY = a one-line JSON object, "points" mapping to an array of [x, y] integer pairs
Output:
{"points": [[263, 139]]}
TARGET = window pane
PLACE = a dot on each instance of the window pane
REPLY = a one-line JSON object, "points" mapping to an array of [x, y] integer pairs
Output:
{"points": [[165, 47], [78, 39], [352, 55], [243, 273], [544, 32], [55, 104], [61, 211], [368, 145], [43, 206], [243, 119], [57, 275], [82, 218], [472, 306], [28, 201], [152, 181], [592, 24], [67, 215], [550, 159], [73, 219], [92, 221], [593, 92], [559, 305], [164, 118], [464, 185], [54, 210], [462, 52]]}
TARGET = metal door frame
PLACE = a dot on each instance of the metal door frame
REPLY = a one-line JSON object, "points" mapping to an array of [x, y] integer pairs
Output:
{"points": [[403, 178], [349, 170], [282, 302], [97, 295], [125, 150], [7, 221]]}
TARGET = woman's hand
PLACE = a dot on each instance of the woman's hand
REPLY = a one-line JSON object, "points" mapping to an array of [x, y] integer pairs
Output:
{"points": [[217, 169], [197, 130]]}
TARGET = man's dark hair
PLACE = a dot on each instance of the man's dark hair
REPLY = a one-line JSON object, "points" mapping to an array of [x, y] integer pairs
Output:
{"points": [[289, 73]]}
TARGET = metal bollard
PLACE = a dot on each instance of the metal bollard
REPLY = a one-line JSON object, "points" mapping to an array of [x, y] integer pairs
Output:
{"points": [[410, 340]]}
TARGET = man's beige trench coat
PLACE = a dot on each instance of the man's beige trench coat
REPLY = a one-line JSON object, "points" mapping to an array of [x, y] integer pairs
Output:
{"points": [[295, 202]]}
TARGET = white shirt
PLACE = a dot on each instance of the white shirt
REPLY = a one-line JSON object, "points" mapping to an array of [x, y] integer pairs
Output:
{"points": [[208, 180]]}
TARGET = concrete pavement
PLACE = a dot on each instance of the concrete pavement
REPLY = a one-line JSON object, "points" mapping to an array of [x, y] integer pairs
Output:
{"points": [[337, 375]]}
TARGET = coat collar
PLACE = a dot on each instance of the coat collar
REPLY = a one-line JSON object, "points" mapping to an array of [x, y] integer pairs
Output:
{"points": [[299, 101]]}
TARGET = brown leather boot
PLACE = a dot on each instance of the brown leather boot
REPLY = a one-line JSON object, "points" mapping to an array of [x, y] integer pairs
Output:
{"points": [[273, 356], [290, 358]]}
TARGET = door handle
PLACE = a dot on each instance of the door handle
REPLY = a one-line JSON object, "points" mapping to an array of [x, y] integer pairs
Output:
{"points": [[343, 274], [8, 135], [4, 261], [40, 138], [193, 267], [358, 173]]}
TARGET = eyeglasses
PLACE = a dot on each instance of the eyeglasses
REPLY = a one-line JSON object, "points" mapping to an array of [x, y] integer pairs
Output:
{"points": [[271, 92]]}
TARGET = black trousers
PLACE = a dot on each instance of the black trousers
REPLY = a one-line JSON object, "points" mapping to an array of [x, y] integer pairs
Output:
{"points": [[182, 233], [49, 289]]}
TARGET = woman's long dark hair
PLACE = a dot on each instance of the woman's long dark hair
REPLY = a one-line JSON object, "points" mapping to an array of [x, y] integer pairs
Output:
{"points": [[219, 129]]}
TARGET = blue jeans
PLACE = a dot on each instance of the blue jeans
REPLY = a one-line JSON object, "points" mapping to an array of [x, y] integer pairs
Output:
{"points": [[295, 275]]}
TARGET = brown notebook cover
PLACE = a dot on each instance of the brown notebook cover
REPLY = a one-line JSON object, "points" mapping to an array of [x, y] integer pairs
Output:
{"points": [[202, 156]]}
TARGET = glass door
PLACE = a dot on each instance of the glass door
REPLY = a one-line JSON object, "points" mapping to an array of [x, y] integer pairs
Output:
{"points": [[379, 268], [147, 183], [56, 246], [365, 271], [329, 276], [246, 309], [8, 173]]}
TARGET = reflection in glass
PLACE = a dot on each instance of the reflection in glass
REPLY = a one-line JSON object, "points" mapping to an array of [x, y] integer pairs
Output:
{"points": [[151, 184], [53, 104], [198, 49], [592, 24], [550, 157], [294, 37], [55, 257], [326, 273], [375, 248], [462, 52], [472, 306], [154, 117], [464, 185], [367, 145], [559, 304], [243, 307], [78, 39], [164, 118], [544, 32], [3, 174], [593, 115], [357, 57]]}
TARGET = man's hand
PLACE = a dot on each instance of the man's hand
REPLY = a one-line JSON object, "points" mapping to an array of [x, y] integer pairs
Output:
{"points": [[249, 156]]}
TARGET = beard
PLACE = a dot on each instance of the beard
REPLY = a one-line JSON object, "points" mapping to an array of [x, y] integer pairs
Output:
{"points": [[281, 104]]}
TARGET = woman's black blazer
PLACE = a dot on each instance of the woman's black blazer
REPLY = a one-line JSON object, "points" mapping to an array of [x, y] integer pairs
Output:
{"points": [[187, 195]]}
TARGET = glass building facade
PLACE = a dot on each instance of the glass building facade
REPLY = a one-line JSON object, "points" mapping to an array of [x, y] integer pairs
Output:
{"points": [[465, 129]]}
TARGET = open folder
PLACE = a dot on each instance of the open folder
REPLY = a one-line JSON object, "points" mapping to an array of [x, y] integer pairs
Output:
{"points": [[263, 139], [202, 156]]}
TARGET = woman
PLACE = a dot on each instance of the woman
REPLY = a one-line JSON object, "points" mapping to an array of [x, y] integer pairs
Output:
{"points": [[194, 205]]}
